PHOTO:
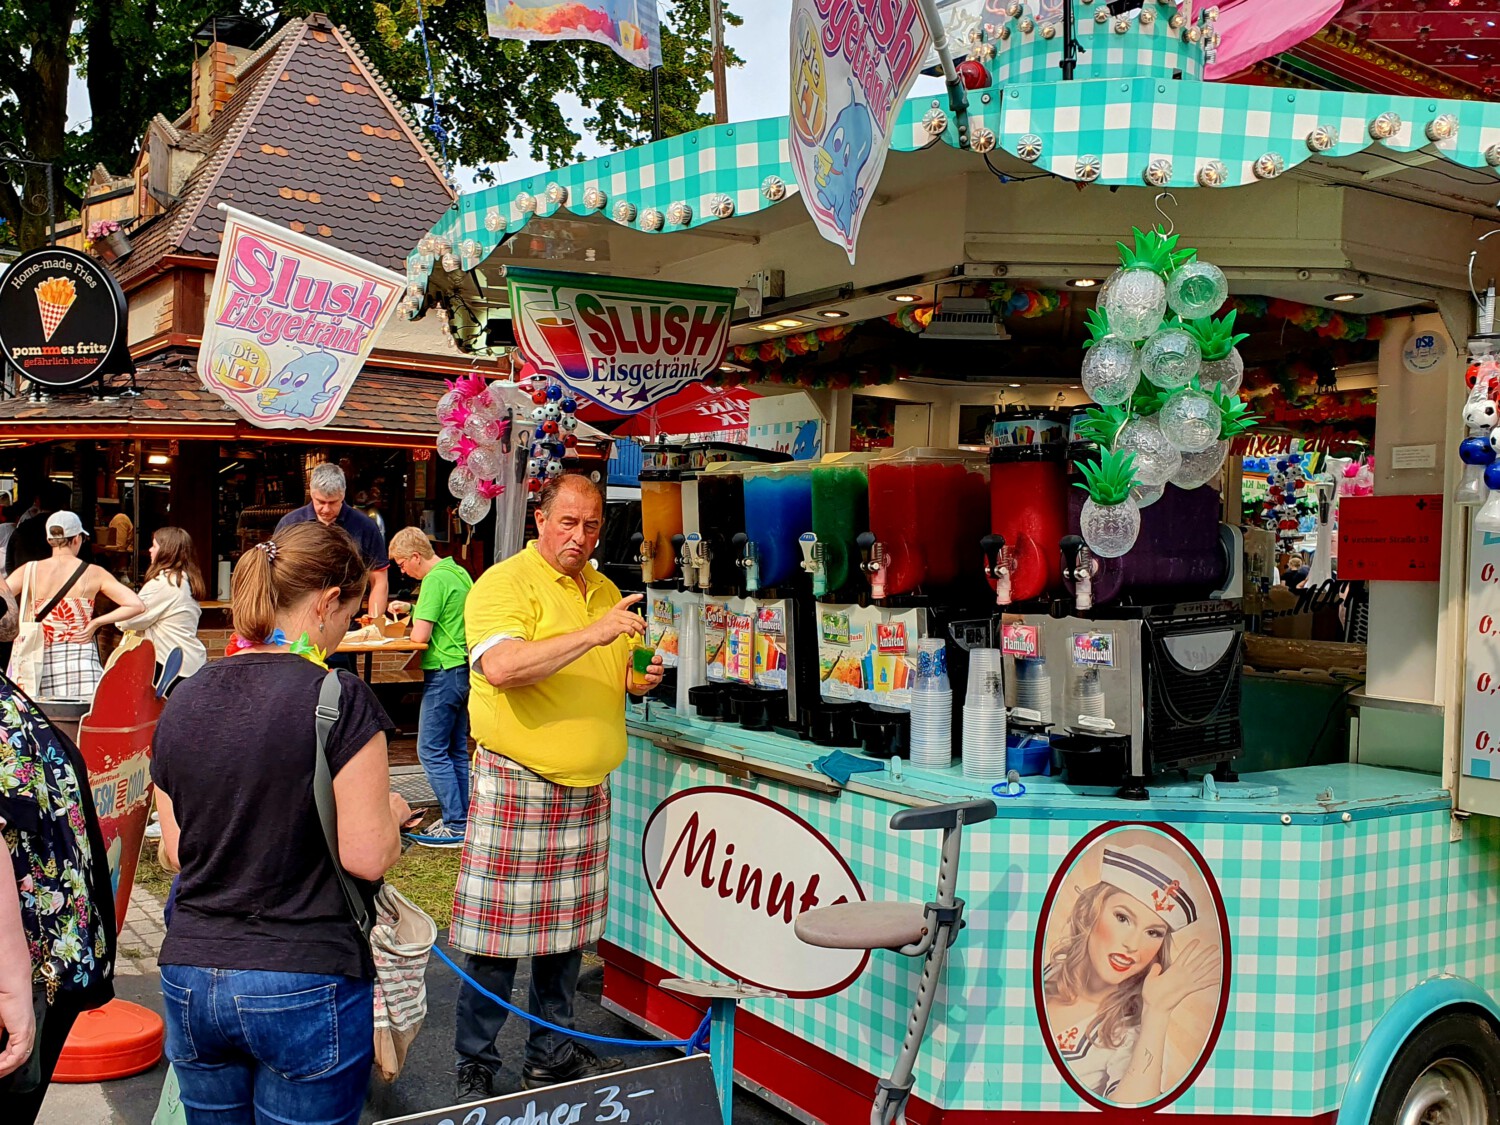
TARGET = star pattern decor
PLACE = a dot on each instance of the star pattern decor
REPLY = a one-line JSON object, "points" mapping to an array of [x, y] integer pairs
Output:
{"points": [[1459, 39]]}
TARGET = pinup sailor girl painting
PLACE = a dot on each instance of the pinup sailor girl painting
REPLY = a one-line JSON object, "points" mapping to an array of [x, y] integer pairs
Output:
{"points": [[1133, 967]]}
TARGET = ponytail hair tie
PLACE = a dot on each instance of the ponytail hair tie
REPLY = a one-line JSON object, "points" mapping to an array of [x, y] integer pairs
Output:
{"points": [[269, 547]]}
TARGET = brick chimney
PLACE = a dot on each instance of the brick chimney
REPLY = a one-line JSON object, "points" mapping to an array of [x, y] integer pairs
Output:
{"points": [[213, 83]]}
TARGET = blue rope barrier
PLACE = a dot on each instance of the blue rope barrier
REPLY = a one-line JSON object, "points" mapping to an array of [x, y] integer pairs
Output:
{"points": [[698, 1041]]}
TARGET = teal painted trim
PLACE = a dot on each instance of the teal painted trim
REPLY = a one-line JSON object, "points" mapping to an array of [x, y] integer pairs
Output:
{"points": [[1145, 811], [1394, 1029]]}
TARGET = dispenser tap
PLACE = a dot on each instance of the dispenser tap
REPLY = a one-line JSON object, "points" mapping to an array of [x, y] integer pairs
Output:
{"points": [[694, 561], [813, 562], [1079, 567], [705, 555], [679, 552], [749, 561], [1000, 564], [872, 562], [645, 552]]}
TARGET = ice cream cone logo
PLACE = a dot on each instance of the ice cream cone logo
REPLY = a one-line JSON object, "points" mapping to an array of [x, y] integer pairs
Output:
{"points": [[54, 297]]}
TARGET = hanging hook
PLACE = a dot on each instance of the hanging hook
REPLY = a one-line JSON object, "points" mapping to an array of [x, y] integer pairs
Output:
{"points": [[1171, 226], [1486, 314]]}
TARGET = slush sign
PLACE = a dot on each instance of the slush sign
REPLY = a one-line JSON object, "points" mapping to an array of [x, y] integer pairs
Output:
{"points": [[622, 342]]}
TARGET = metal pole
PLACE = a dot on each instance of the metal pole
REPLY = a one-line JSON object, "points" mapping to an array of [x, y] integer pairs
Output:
{"points": [[958, 96], [721, 95], [1070, 43], [721, 1050], [656, 103]]}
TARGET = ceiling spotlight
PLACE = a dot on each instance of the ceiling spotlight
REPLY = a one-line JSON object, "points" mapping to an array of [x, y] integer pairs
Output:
{"points": [[833, 314], [780, 325], [158, 459], [1013, 384], [1085, 282], [1342, 297], [905, 298]]}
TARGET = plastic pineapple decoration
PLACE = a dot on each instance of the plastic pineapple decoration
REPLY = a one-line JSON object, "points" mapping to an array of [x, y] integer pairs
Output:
{"points": [[1111, 519], [1164, 371]]}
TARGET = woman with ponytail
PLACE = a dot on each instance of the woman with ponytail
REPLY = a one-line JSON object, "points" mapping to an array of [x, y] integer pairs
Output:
{"points": [[286, 1033]]}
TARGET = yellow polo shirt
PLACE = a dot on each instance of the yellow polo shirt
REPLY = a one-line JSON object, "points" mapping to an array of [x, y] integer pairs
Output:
{"points": [[570, 728]]}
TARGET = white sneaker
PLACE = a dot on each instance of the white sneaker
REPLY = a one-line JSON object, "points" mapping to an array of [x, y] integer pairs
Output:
{"points": [[153, 831], [155, 816], [439, 836]]}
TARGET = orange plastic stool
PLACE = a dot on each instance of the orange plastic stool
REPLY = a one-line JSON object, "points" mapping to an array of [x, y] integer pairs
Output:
{"points": [[115, 1041]]}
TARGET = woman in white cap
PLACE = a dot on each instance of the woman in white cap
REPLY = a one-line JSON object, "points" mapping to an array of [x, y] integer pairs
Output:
{"points": [[59, 593], [1113, 980]]}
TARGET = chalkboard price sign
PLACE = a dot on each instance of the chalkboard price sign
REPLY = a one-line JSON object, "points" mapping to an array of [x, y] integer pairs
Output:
{"points": [[679, 1092]]}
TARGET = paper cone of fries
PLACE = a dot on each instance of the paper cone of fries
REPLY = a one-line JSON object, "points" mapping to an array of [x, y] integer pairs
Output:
{"points": [[54, 297]]}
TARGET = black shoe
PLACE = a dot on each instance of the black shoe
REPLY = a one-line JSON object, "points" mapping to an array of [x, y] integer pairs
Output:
{"points": [[582, 1063], [475, 1083]]}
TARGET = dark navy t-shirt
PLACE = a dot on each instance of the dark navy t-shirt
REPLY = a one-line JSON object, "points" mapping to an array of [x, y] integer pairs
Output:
{"points": [[361, 528], [234, 751]]}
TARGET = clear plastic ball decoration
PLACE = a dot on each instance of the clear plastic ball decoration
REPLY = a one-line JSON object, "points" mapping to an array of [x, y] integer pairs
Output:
{"points": [[1136, 302], [1111, 370], [1191, 420], [1199, 469], [1110, 530], [483, 429], [485, 462], [1230, 371], [1156, 458], [473, 508], [461, 481], [447, 441], [1144, 497], [1197, 289], [446, 404], [1170, 358]]}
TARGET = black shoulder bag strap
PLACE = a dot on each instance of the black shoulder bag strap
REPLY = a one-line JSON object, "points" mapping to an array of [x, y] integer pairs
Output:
{"points": [[61, 594], [329, 697]]}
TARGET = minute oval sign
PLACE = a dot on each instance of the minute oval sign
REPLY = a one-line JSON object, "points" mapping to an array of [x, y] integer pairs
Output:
{"points": [[732, 870]]}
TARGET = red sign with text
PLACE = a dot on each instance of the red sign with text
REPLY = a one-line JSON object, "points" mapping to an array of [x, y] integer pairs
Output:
{"points": [[1390, 538]]}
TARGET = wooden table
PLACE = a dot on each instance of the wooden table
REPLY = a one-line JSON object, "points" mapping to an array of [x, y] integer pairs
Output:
{"points": [[370, 648]]}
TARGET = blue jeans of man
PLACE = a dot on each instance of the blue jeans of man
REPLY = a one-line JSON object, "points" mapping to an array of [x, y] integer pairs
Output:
{"points": [[443, 742], [267, 1047]]}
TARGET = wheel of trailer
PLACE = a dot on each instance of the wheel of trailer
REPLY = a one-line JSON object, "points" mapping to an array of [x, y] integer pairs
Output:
{"points": [[1448, 1073]]}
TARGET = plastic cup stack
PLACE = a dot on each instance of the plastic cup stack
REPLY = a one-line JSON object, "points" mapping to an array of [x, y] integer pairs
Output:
{"points": [[931, 708], [984, 716], [691, 669], [1034, 686], [1088, 696]]}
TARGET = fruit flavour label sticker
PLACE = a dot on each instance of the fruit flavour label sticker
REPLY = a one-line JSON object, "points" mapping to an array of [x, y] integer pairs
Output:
{"points": [[739, 648], [715, 620], [770, 648], [1094, 650], [1024, 641], [662, 630], [890, 637]]}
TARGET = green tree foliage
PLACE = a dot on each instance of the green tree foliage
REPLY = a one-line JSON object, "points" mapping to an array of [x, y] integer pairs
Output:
{"points": [[496, 99]]}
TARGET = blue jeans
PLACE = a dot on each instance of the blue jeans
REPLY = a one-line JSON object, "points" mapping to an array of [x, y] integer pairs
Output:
{"points": [[443, 742], [252, 1047]]}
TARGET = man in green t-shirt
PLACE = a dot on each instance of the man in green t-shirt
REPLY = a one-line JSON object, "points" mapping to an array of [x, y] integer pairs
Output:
{"points": [[443, 727]]}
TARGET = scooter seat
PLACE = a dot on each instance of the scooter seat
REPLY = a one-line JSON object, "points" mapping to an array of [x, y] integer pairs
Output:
{"points": [[863, 925]]}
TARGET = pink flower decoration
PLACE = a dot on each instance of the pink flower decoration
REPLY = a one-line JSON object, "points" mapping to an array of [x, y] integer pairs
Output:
{"points": [[490, 489], [470, 386]]}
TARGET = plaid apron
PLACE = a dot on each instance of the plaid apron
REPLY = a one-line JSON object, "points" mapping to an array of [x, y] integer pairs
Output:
{"points": [[534, 876]]}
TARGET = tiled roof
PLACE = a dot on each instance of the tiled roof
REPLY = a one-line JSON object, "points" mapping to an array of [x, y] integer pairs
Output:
{"points": [[378, 403], [311, 140]]}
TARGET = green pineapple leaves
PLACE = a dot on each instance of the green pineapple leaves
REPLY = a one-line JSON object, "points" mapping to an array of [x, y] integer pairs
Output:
{"points": [[1096, 321], [1234, 414], [1109, 480], [1154, 250], [1216, 336], [1101, 424]]}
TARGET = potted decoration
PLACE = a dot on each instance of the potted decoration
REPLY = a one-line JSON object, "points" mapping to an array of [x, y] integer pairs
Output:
{"points": [[108, 239]]}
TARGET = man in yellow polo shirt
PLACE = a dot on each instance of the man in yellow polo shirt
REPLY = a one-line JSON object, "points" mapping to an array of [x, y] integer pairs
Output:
{"points": [[549, 653]]}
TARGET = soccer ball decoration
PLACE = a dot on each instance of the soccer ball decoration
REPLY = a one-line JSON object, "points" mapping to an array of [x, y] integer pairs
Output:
{"points": [[1477, 450], [1164, 371], [1281, 513]]}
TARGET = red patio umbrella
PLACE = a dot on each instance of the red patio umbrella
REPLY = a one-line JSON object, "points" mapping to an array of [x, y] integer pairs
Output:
{"points": [[696, 409]]}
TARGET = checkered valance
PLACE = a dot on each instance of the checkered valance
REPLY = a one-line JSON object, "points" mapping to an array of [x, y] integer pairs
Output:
{"points": [[1153, 131]]}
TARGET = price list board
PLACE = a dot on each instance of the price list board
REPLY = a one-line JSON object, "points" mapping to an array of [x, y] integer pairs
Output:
{"points": [[1481, 732]]}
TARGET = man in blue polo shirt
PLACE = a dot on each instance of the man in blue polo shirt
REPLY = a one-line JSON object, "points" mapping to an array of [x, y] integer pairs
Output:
{"points": [[327, 486]]}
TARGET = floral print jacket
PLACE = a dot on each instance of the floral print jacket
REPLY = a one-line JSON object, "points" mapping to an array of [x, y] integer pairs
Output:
{"points": [[65, 910]]}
